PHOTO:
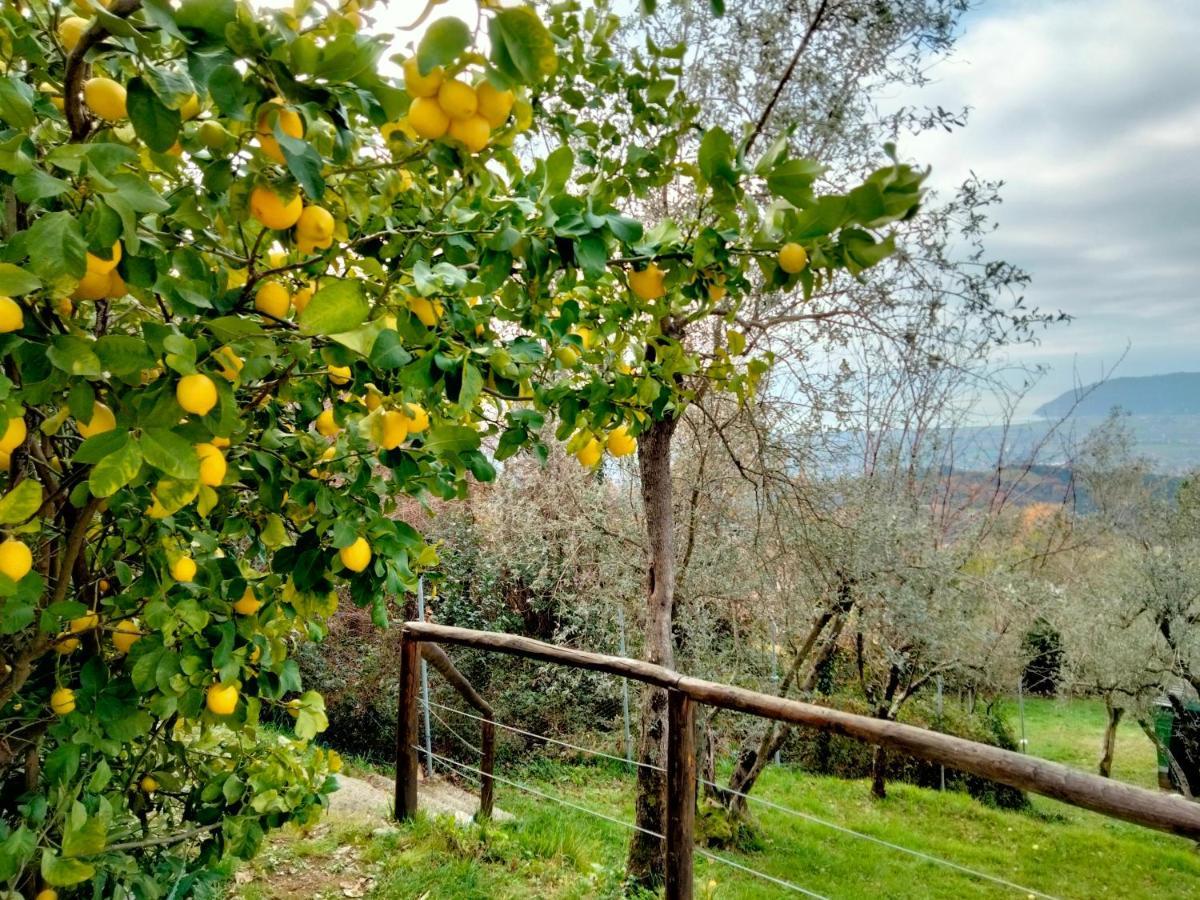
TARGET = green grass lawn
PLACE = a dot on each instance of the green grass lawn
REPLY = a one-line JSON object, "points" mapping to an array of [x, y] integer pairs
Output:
{"points": [[553, 851]]}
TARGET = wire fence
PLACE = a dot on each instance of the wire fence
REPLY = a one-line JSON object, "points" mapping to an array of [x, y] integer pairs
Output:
{"points": [[471, 772]]}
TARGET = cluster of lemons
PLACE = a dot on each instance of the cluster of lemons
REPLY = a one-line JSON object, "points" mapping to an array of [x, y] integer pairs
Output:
{"points": [[444, 106], [619, 442]]}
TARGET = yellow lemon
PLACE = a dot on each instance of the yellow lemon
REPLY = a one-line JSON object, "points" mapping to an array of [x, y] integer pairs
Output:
{"points": [[301, 298], [274, 211], [567, 356], [373, 399], [456, 99], [46, 894], [293, 708], [70, 30], [427, 118], [196, 393], [314, 228], [589, 454], [395, 429], [357, 555], [472, 132], [273, 299], [213, 134], [418, 419], [148, 784], [93, 286], [62, 701], [648, 283], [102, 420], [428, 311], [117, 288], [212, 464], [494, 105], [190, 109], [419, 85], [247, 604], [12, 318], [14, 434], [66, 645], [792, 258], [97, 264], [326, 424], [15, 559], [105, 98], [620, 442], [339, 374], [290, 124], [126, 635], [221, 699], [83, 623]]}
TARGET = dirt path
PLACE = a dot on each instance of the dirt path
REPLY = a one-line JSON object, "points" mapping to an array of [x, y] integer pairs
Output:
{"points": [[328, 860]]}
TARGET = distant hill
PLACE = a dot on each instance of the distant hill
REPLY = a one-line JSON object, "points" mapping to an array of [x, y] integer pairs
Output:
{"points": [[1177, 394]]}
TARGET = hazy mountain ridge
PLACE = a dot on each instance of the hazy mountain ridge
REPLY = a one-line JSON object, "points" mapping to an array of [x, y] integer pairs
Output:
{"points": [[1176, 394]]}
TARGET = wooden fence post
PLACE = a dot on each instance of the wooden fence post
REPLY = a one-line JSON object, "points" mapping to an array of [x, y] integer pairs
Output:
{"points": [[406, 729], [487, 788], [681, 794]]}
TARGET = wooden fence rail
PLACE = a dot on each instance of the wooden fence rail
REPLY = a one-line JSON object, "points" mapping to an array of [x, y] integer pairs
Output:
{"points": [[1122, 801]]}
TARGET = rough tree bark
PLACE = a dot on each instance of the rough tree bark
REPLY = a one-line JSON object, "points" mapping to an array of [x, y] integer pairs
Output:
{"points": [[646, 853], [1110, 735]]}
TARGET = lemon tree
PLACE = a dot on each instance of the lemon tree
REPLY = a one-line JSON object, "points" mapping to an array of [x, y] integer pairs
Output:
{"points": [[258, 280]]}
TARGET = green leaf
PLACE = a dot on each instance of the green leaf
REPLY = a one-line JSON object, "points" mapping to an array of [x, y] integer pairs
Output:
{"points": [[336, 307], [60, 872], [116, 470], [96, 448], [793, 180], [21, 502], [16, 615], [15, 281], [522, 49], [716, 157], [154, 123], [61, 248], [303, 161], [170, 454], [444, 40], [623, 228], [592, 255], [74, 355], [452, 439], [388, 352], [717, 7], [37, 185], [15, 852], [209, 16], [16, 102], [84, 835], [123, 354], [311, 719], [229, 91]]}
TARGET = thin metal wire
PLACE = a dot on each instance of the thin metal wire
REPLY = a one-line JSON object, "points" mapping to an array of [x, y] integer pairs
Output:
{"points": [[779, 881], [544, 796], [995, 879], [630, 825], [462, 740], [550, 740]]}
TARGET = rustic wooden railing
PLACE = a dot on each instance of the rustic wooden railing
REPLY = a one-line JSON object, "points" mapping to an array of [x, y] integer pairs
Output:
{"points": [[1163, 812], [406, 728]]}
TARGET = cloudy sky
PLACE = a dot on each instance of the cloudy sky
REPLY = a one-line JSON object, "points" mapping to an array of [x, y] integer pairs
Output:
{"points": [[1090, 111]]}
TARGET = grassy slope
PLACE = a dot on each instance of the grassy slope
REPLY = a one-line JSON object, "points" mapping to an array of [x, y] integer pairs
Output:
{"points": [[554, 852]]}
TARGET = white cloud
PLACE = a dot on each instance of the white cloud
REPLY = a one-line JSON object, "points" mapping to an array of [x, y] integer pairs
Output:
{"points": [[1090, 111]]}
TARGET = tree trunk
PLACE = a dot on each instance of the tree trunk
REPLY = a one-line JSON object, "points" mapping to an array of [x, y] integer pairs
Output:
{"points": [[647, 859], [1110, 736], [879, 773], [753, 758]]}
